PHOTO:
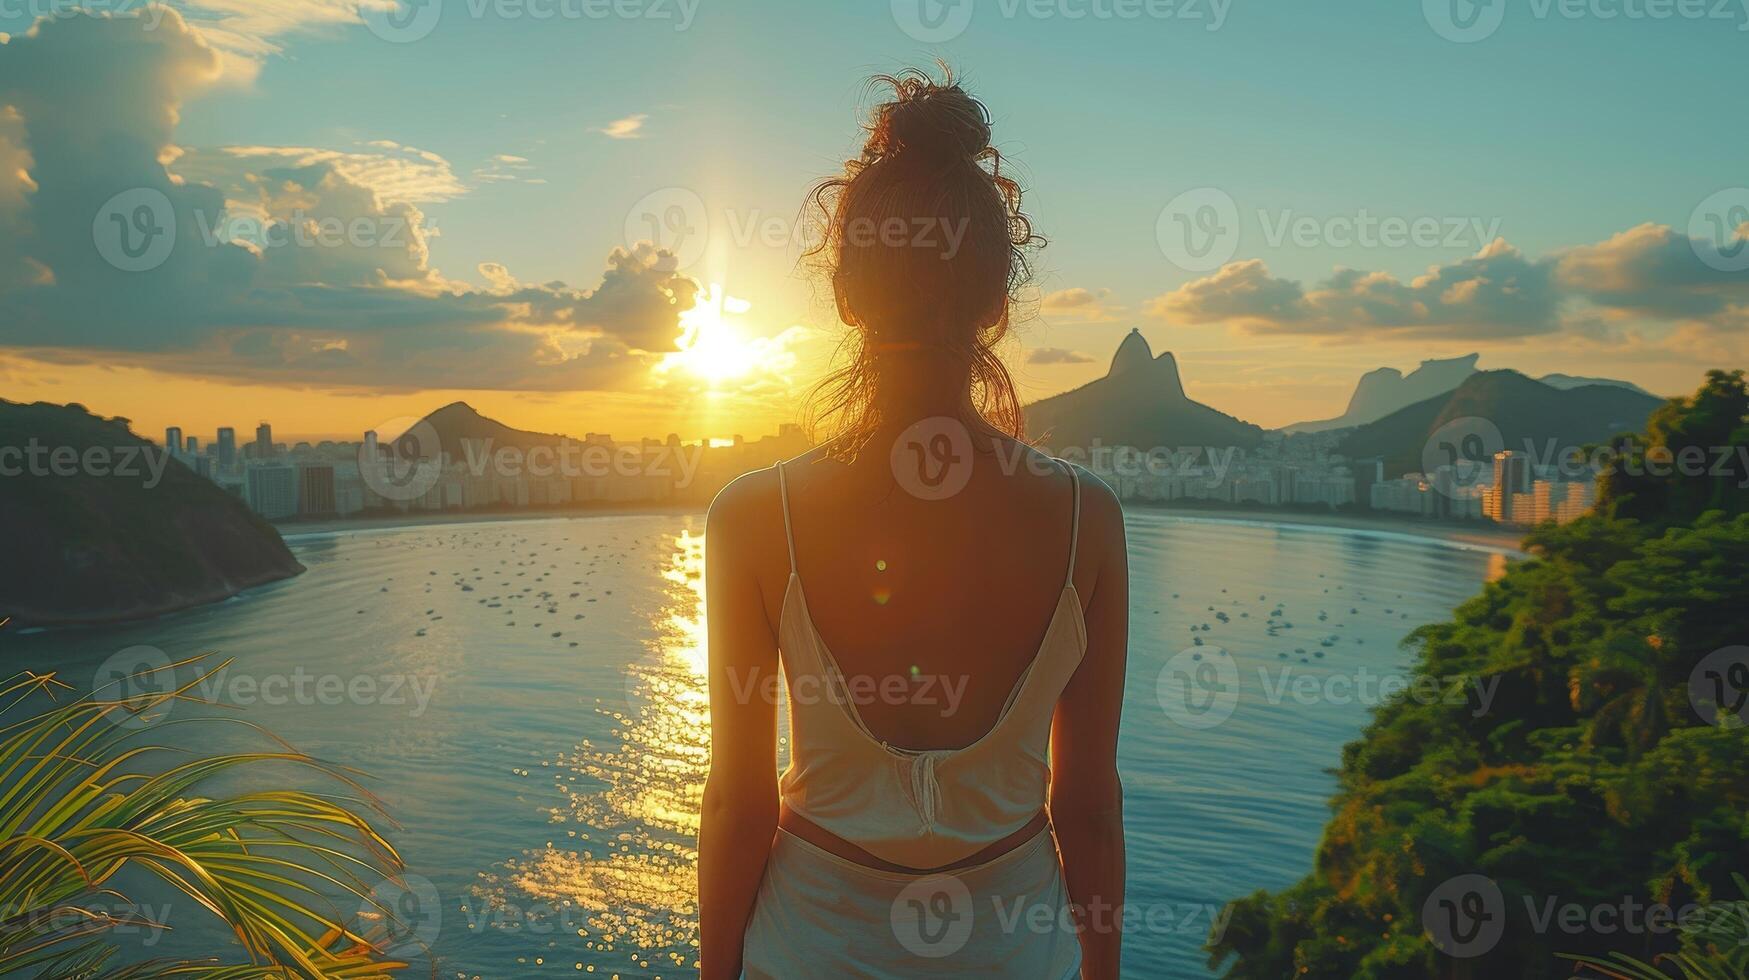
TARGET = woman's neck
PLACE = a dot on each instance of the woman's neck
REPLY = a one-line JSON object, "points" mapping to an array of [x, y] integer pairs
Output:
{"points": [[922, 383]]}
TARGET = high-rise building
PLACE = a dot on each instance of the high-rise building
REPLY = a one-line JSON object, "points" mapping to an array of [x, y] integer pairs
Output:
{"points": [[193, 445], [173, 438], [316, 496], [264, 441], [273, 490], [227, 446], [1511, 484], [1367, 473]]}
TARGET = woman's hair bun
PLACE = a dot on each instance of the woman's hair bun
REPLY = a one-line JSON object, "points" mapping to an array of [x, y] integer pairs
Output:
{"points": [[925, 244], [927, 119]]}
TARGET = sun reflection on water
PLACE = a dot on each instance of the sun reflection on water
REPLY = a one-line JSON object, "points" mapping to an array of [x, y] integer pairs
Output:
{"points": [[625, 868]]}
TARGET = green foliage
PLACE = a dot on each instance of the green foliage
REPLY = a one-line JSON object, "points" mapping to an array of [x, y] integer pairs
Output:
{"points": [[1588, 779], [85, 806], [1714, 946]]}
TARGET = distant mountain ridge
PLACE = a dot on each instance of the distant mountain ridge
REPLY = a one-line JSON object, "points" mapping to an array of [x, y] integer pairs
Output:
{"points": [[1526, 412], [1140, 402], [1385, 390], [140, 536], [1567, 381]]}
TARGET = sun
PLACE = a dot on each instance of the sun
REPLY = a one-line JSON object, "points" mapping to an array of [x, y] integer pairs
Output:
{"points": [[713, 348]]}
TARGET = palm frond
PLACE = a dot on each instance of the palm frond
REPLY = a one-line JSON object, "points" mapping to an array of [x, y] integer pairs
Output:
{"points": [[83, 798]]}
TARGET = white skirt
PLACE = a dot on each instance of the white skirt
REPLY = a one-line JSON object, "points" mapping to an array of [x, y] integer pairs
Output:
{"points": [[819, 915]]}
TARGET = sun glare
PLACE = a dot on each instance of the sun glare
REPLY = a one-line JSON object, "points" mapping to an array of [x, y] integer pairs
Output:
{"points": [[713, 347]]}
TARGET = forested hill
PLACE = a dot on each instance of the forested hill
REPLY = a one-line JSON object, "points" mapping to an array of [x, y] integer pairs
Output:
{"points": [[1609, 770], [99, 526]]}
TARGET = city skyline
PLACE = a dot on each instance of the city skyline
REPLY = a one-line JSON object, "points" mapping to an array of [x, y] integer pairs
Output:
{"points": [[553, 249]]}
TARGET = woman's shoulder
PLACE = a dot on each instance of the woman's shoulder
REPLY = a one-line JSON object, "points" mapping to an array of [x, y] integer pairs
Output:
{"points": [[744, 498], [751, 505], [1101, 513], [1095, 492], [1096, 495]]}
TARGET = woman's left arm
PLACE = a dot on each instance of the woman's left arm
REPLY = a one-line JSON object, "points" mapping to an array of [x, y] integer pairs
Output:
{"points": [[739, 816]]}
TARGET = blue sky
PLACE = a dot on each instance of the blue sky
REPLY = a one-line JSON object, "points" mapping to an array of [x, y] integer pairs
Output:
{"points": [[1562, 128]]}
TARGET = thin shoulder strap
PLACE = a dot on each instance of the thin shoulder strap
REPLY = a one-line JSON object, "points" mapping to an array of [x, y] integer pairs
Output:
{"points": [[789, 535], [1074, 520]]}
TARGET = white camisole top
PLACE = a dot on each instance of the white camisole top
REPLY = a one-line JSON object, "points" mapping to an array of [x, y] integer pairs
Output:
{"points": [[928, 808]]}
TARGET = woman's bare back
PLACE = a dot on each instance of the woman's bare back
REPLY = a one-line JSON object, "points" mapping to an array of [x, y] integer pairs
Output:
{"points": [[932, 608]]}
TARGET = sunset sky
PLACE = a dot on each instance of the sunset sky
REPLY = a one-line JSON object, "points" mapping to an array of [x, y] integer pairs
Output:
{"points": [[1574, 180]]}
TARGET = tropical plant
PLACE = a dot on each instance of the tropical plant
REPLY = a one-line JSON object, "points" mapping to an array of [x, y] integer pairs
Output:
{"points": [[87, 804], [1715, 946]]}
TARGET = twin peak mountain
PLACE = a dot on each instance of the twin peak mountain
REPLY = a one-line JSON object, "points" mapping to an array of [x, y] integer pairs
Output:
{"points": [[1140, 402]]}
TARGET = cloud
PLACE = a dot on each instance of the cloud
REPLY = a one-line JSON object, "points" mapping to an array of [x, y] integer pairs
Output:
{"points": [[295, 265], [629, 128], [255, 178], [1056, 355], [1496, 293], [1655, 271], [506, 168], [1647, 274], [248, 31], [1079, 305]]}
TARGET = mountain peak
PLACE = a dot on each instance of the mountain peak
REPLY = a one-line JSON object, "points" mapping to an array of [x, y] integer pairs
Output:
{"points": [[456, 408], [1384, 390], [1140, 403], [1460, 366], [1133, 354]]}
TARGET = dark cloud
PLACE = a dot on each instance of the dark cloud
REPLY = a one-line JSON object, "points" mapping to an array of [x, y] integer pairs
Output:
{"points": [[291, 265]]}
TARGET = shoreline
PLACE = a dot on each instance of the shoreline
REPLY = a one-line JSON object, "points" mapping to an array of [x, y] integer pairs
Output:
{"points": [[1485, 537], [26, 621], [1481, 536]]}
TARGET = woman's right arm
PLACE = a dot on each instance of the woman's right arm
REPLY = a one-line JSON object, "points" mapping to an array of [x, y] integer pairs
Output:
{"points": [[739, 816], [1086, 801]]}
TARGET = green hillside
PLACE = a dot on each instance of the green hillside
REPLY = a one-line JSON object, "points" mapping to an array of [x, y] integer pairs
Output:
{"points": [[1610, 770], [1526, 412]]}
